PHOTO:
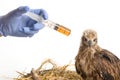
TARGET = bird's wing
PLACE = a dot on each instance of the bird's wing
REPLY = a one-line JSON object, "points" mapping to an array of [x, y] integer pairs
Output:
{"points": [[107, 65]]}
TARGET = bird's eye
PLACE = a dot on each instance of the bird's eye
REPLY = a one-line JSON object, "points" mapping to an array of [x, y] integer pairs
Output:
{"points": [[95, 40], [84, 39]]}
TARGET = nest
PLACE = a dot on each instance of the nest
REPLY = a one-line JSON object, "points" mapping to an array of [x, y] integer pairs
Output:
{"points": [[55, 73]]}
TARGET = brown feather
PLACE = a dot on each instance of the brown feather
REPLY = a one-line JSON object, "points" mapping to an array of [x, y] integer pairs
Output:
{"points": [[95, 63]]}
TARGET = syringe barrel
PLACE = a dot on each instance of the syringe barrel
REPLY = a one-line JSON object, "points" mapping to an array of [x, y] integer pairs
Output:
{"points": [[49, 23], [57, 27]]}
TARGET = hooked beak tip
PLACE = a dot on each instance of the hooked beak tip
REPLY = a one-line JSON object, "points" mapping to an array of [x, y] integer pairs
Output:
{"points": [[89, 43]]}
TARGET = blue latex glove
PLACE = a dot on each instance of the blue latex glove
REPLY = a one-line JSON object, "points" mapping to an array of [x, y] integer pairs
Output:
{"points": [[16, 24]]}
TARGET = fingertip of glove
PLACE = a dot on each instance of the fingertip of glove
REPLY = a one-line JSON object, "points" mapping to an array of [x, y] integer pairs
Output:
{"points": [[44, 14], [23, 8], [45, 17]]}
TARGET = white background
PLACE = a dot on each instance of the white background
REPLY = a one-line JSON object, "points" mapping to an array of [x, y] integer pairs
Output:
{"points": [[22, 54]]}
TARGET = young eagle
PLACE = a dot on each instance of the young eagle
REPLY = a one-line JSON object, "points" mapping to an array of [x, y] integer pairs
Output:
{"points": [[94, 63]]}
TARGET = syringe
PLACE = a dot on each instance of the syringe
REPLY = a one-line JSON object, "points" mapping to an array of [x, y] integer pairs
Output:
{"points": [[49, 23]]}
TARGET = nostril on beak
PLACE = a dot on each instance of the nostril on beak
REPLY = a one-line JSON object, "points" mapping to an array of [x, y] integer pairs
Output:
{"points": [[89, 43]]}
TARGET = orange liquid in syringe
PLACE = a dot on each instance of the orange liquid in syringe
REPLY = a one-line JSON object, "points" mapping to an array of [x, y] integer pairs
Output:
{"points": [[62, 29]]}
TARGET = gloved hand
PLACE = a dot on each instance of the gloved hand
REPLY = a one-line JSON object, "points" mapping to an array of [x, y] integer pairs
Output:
{"points": [[16, 24]]}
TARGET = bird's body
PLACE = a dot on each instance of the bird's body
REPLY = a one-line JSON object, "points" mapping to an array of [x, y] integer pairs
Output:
{"points": [[95, 63]]}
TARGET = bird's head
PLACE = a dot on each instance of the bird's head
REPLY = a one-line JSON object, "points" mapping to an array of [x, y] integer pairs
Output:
{"points": [[89, 38]]}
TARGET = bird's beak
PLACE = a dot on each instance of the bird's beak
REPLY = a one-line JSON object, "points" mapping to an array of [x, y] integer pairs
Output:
{"points": [[89, 43]]}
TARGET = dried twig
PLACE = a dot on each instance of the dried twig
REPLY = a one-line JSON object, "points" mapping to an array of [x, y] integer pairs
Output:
{"points": [[46, 61], [35, 75]]}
